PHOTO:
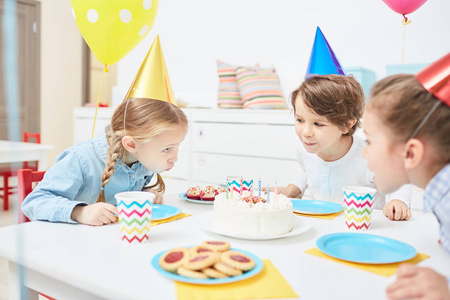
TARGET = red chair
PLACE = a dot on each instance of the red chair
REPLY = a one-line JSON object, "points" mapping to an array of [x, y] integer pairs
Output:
{"points": [[7, 171], [26, 178]]}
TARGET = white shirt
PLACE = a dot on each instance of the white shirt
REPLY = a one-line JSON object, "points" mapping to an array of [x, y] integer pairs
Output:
{"points": [[324, 180]]}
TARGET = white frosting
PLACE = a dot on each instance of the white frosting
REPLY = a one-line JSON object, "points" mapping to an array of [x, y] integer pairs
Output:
{"points": [[237, 217]]}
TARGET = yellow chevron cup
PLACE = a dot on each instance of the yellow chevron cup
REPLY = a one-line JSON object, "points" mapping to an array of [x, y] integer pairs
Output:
{"points": [[135, 214], [358, 207]]}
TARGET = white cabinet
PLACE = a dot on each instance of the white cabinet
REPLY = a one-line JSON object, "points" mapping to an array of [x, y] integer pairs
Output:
{"points": [[220, 143], [251, 143], [84, 122]]}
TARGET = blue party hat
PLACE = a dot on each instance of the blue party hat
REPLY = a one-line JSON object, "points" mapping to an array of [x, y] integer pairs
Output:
{"points": [[323, 61]]}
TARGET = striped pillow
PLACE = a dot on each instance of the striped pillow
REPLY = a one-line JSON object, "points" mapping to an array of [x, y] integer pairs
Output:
{"points": [[260, 88], [228, 94]]}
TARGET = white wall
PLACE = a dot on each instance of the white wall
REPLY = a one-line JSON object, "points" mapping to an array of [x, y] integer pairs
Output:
{"points": [[280, 33], [61, 67]]}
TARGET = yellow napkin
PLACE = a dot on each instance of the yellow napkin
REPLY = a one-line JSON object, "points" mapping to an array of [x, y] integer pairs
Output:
{"points": [[382, 269], [328, 217], [176, 217], [269, 283]]}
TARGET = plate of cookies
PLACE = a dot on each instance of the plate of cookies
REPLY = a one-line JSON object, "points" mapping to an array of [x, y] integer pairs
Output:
{"points": [[211, 262], [199, 195]]}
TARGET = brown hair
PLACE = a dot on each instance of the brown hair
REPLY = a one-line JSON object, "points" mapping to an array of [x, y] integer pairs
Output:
{"points": [[338, 98], [145, 119], [402, 103]]}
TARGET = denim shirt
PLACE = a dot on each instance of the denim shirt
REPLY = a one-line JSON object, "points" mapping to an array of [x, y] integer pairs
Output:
{"points": [[75, 179], [437, 198]]}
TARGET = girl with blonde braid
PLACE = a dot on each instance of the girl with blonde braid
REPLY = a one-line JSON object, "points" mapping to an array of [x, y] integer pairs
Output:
{"points": [[142, 141]]}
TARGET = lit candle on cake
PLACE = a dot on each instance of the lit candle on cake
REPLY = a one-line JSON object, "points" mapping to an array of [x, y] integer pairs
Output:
{"points": [[241, 189], [228, 187], [276, 191], [231, 188], [268, 193], [259, 187]]}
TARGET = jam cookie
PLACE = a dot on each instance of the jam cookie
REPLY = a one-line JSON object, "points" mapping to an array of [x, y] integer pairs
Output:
{"points": [[202, 248], [226, 269], [201, 261], [220, 246], [238, 260], [213, 273], [191, 274], [174, 258]]}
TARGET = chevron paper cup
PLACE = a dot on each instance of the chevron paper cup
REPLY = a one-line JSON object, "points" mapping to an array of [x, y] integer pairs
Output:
{"points": [[358, 207], [135, 213], [234, 184]]}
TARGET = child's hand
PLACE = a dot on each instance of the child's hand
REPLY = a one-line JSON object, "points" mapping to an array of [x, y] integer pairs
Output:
{"points": [[418, 283], [290, 191], [96, 214], [397, 210], [158, 197]]}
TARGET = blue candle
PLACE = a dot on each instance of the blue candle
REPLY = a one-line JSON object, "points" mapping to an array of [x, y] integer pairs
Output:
{"points": [[268, 193], [259, 187]]}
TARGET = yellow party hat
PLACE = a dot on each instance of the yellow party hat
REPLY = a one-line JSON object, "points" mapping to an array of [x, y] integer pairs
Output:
{"points": [[152, 80]]}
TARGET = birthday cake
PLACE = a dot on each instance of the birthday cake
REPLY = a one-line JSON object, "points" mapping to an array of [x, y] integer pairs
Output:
{"points": [[252, 215]]}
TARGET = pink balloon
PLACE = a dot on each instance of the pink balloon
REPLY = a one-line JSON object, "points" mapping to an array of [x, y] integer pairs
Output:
{"points": [[404, 6]]}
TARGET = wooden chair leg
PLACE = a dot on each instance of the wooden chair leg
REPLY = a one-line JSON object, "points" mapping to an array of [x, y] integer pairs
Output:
{"points": [[5, 193]]}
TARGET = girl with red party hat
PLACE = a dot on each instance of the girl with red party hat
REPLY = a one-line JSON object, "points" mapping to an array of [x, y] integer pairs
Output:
{"points": [[407, 124]]}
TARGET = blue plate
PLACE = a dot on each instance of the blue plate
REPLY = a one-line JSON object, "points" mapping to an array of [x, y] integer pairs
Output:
{"points": [[161, 212], [316, 207], [365, 248], [258, 267], [200, 201]]}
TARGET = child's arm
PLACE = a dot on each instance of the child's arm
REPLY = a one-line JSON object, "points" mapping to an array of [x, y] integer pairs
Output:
{"points": [[397, 210], [96, 214], [52, 199], [398, 202], [418, 283], [290, 191], [158, 197]]}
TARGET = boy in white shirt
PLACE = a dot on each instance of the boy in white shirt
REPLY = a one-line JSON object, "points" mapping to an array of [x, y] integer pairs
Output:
{"points": [[328, 109]]}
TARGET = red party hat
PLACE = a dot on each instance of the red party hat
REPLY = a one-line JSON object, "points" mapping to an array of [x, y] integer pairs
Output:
{"points": [[436, 79]]}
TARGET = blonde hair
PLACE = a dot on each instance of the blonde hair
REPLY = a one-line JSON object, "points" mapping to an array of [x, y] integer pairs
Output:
{"points": [[143, 119], [401, 103], [338, 98]]}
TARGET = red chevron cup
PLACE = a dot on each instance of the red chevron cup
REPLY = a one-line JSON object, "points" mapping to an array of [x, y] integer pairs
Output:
{"points": [[358, 207], [238, 184], [135, 214]]}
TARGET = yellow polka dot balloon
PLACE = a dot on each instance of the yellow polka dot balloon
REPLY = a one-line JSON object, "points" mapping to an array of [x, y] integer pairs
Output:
{"points": [[112, 28]]}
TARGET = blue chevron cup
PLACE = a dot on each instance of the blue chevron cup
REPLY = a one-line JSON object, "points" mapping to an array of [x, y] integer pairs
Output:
{"points": [[358, 207], [234, 184], [135, 213]]}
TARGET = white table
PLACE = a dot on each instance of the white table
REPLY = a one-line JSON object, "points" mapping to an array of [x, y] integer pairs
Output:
{"points": [[11, 152], [82, 262]]}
